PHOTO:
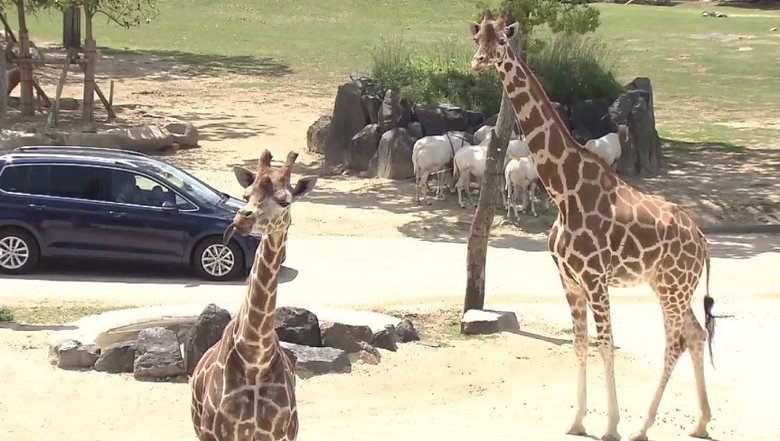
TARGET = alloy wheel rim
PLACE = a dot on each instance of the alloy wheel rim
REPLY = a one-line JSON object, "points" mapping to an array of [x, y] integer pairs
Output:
{"points": [[217, 260], [14, 253]]}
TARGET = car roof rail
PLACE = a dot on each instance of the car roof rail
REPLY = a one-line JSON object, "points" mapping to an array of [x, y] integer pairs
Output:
{"points": [[68, 148]]}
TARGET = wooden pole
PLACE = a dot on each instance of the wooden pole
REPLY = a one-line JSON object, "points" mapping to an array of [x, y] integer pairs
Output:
{"points": [[479, 234], [90, 49], [26, 84], [3, 86], [52, 120]]}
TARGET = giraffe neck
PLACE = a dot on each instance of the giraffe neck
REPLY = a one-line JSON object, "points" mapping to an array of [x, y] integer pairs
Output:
{"points": [[548, 138], [255, 327]]}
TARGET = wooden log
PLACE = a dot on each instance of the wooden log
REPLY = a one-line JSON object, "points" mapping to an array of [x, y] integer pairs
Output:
{"points": [[26, 84], [52, 119]]}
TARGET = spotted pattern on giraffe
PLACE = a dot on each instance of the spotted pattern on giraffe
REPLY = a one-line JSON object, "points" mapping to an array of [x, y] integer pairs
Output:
{"points": [[607, 234]]}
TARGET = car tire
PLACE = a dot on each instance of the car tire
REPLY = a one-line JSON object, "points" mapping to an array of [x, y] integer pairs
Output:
{"points": [[19, 252], [213, 260]]}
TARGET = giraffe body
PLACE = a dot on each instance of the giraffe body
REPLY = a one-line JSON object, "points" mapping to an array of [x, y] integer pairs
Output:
{"points": [[607, 234], [243, 388]]}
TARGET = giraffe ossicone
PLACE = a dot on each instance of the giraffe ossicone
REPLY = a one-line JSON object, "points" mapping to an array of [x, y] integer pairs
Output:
{"points": [[607, 234], [243, 388]]}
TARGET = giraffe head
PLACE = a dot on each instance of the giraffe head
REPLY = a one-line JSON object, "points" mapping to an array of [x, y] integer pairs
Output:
{"points": [[492, 37], [268, 195]]}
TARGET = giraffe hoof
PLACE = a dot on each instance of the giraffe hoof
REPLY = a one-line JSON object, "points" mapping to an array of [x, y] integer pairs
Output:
{"points": [[577, 429], [639, 436], [610, 437], [700, 433]]}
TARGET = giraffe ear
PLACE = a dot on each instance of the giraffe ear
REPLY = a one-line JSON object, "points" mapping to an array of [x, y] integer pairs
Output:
{"points": [[244, 176], [473, 28], [303, 186], [511, 30]]}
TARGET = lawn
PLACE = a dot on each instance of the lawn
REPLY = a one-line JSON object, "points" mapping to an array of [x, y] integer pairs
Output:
{"points": [[707, 89]]}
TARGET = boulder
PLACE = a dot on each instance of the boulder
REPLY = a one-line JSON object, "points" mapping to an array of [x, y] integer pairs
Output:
{"points": [[406, 332], [476, 119], [71, 354], [563, 111], [345, 337], [362, 148], [69, 103], [143, 138], [386, 339], [367, 85], [395, 112], [367, 354], [184, 133], [436, 119], [394, 155], [206, 331], [117, 358], [310, 361], [491, 121], [87, 139], [348, 118], [317, 134], [157, 355], [642, 155], [414, 129], [590, 119], [371, 106], [11, 139], [477, 321], [297, 325]]}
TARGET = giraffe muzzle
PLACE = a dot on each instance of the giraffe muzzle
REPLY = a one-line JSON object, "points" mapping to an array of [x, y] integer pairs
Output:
{"points": [[228, 233]]}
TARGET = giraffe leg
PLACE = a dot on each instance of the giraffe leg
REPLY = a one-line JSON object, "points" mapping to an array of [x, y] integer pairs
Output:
{"points": [[579, 317], [675, 345], [695, 338], [599, 305], [531, 197]]}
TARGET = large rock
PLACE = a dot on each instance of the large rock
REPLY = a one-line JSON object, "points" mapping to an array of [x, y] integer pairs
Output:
{"points": [[345, 337], [348, 118], [184, 133], [476, 119], [371, 107], [143, 138], [394, 155], [395, 112], [117, 358], [477, 321], [367, 85], [157, 355], [71, 354], [367, 354], [491, 121], [317, 134], [204, 334], [642, 155], [297, 325], [436, 119], [563, 111], [414, 129], [362, 148], [310, 361], [386, 339], [590, 119], [406, 331]]}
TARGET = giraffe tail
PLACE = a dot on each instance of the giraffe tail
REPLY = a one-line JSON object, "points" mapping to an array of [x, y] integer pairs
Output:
{"points": [[709, 302]]}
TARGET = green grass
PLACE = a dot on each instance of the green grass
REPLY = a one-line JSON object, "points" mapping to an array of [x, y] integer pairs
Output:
{"points": [[46, 314], [699, 84]]}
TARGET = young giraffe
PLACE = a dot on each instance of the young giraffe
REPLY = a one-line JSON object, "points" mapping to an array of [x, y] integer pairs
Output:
{"points": [[607, 234], [243, 388]]}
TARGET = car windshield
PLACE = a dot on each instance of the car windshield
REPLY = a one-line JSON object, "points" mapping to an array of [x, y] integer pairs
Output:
{"points": [[185, 182]]}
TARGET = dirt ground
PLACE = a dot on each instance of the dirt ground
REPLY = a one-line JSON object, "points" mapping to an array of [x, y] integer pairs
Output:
{"points": [[510, 386]]}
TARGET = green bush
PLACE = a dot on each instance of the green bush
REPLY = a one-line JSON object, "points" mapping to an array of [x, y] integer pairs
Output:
{"points": [[6, 315], [571, 67]]}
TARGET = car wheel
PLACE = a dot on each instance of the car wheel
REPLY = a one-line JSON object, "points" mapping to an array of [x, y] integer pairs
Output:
{"points": [[18, 252], [216, 261]]}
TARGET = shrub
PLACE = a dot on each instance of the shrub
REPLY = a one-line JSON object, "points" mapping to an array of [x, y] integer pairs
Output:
{"points": [[6, 315], [571, 67]]}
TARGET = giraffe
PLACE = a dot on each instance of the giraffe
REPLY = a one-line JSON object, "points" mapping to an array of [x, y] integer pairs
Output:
{"points": [[243, 388], [607, 234]]}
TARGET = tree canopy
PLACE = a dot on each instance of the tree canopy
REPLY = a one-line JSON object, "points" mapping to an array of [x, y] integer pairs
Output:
{"points": [[126, 13]]}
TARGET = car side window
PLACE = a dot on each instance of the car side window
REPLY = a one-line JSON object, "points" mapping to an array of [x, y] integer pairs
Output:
{"points": [[27, 179], [130, 188], [79, 182]]}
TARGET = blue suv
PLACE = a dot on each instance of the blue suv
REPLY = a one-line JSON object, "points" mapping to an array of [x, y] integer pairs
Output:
{"points": [[81, 202]]}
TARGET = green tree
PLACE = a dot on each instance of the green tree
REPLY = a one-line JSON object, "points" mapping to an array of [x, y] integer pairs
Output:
{"points": [[574, 16]]}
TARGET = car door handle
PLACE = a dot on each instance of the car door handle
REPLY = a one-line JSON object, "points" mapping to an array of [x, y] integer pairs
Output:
{"points": [[117, 214], [35, 206]]}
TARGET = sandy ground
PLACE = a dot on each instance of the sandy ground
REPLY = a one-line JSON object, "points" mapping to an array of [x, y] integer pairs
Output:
{"points": [[505, 387]]}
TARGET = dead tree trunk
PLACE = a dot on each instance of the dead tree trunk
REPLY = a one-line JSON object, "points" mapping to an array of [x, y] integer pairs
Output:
{"points": [[90, 48], [3, 86], [486, 207], [25, 63]]}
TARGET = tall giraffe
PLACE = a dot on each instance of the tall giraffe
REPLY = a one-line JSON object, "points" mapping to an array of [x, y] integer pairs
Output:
{"points": [[607, 234], [243, 388]]}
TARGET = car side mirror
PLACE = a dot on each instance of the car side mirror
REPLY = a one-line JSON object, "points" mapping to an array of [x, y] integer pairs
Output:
{"points": [[170, 207]]}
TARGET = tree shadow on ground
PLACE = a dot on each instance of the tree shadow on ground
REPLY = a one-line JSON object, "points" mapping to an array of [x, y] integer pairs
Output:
{"points": [[719, 183], [34, 328], [742, 246]]}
